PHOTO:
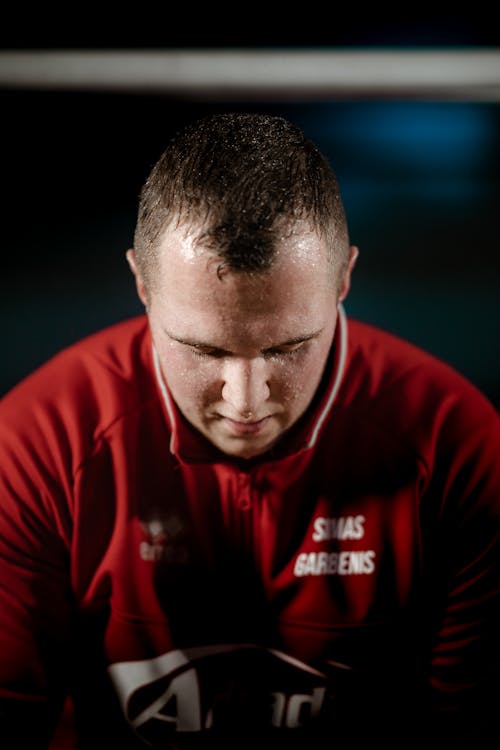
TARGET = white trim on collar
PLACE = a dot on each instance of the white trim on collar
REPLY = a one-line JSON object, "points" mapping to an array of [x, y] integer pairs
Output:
{"points": [[342, 329], [166, 397]]}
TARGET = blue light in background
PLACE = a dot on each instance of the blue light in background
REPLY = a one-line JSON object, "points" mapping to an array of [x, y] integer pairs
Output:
{"points": [[433, 150], [418, 134]]}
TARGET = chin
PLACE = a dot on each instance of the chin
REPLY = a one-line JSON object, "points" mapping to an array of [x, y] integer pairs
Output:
{"points": [[244, 451]]}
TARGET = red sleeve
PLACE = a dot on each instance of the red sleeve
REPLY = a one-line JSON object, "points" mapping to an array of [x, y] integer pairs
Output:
{"points": [[461, 510], [35, 598]]}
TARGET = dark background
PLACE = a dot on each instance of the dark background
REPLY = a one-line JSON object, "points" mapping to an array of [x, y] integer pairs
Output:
{"points": [[420, 181]]}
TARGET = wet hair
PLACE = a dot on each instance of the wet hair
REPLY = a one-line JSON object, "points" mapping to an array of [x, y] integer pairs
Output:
{"points": [[244, 180]]}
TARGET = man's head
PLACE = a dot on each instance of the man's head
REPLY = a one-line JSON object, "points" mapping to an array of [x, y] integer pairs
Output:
{"points": [[241, 179], [241, 258]]}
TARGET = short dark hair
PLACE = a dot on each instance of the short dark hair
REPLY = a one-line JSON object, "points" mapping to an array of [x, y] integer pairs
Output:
{"points": [[243, 177]]}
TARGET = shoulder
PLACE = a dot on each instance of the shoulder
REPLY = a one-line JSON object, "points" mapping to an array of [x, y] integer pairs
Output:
{"points": [[108, 354], [82, 389], [412, 394], [381, 363]]}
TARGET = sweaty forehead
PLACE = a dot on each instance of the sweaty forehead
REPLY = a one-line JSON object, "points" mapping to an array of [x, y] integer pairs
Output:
{"points": [[294, 296], [297, 247]]}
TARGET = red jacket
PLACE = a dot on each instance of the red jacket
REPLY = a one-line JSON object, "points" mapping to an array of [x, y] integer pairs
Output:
{"points": [[343, 582]]}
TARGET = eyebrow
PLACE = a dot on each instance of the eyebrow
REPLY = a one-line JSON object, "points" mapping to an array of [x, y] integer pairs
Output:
{"points": [[197, 344]]}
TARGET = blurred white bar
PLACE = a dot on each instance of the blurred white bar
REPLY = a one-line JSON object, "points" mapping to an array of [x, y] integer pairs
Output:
{"points": [[251, 73]]}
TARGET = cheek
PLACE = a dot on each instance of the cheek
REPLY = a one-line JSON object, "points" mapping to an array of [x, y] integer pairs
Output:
{"points": [[188, 380], [295, 382]]}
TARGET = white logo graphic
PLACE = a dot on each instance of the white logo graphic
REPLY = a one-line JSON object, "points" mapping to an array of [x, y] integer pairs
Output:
{"points": [[208, 687], [165, 535]]}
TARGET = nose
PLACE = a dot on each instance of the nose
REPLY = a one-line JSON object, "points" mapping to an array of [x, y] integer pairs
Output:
{"points": [[245, 386]]}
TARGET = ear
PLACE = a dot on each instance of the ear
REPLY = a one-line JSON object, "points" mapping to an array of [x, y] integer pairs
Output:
{"points": [[139, 283], [346, 281]]}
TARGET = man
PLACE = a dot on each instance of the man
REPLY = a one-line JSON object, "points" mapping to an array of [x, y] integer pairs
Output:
{"points": [[244, 517]]}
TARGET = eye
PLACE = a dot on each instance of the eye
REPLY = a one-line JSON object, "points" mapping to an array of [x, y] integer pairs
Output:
{"points": [[286, 350], [207, 352]]}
